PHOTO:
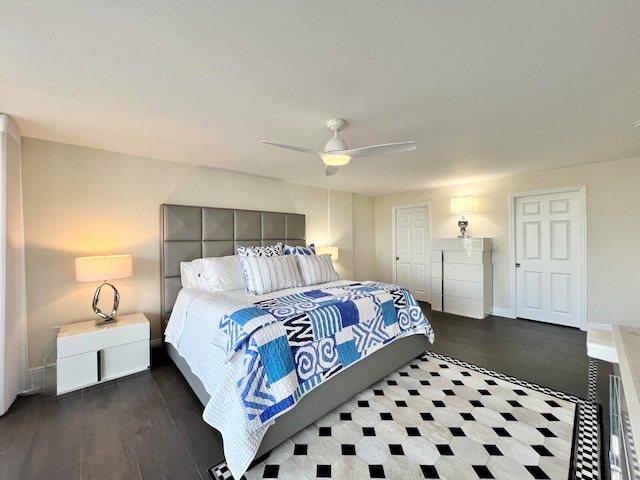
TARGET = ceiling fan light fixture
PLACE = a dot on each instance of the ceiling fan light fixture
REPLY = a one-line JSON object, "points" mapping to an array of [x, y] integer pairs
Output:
{"points": [[335, 160], [336, 153]]}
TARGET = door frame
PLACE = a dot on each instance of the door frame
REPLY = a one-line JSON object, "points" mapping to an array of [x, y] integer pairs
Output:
{"points": [[426, 205], [582, 192]]}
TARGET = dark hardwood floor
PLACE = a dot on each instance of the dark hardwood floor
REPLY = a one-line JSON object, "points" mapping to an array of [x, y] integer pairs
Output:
{"points": [[150, 426]]}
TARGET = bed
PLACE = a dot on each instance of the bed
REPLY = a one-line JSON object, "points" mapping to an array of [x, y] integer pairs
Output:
{"points": [[189, 233]]}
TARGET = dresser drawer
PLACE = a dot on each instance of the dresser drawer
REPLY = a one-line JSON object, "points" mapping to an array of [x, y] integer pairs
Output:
{"points": [[460, 256], [459, 288], [460, 271], [463, 306]]}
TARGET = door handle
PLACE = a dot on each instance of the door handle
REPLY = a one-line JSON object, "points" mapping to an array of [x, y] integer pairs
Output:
{"points": [[517, 265], [397, 258]]}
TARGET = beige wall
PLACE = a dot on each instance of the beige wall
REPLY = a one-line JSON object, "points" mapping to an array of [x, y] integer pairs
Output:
{"points": [[80, 201], [613, 230], [364, 221], [341, 232]]}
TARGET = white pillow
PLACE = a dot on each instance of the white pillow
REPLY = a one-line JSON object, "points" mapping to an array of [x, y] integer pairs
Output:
{"points": [[221, 274], [188, 275], [269, 274], [215, 274], [316, 269]]}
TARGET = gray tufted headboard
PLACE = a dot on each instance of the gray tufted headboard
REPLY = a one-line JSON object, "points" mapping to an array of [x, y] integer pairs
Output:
{"points": [[187, 233]]}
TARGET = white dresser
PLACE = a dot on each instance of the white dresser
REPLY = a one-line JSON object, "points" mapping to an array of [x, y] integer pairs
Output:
{"points": [[462, 276]]}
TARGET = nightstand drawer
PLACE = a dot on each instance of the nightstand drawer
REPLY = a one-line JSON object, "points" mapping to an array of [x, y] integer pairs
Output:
{"points": [[101, 338], [76, 372], [125, 359]]}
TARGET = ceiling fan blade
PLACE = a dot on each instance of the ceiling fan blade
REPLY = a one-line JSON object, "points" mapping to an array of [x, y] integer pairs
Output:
{"points": [[291, 147], [383, 149], [331, 169]]}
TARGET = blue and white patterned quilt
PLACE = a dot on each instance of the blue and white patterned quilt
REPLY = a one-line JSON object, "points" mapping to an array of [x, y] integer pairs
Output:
{"points": [[293, 343]]}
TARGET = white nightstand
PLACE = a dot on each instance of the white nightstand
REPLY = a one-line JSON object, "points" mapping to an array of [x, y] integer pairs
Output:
{"points": [[89, 355]]}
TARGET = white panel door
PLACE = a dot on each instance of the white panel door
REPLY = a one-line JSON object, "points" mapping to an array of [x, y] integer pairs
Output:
{"points": [[413, 251], [549, 257]]}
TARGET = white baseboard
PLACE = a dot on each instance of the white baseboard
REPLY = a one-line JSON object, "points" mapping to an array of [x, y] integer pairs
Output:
{"points": [[599, 326], [156, 342], [503, 312]]}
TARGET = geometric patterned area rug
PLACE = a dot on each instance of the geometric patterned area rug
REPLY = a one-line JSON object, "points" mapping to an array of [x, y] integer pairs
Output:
{"points": [[442, 418]]}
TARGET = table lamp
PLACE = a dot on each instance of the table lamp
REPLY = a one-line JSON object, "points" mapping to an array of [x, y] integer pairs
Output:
{"points": [[333, 251], [460, 206], [103, 268]]}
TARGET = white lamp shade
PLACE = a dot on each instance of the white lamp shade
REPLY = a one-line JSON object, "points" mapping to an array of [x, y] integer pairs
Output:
{"points": [[103, 267], [333, 251], [462, 205]]}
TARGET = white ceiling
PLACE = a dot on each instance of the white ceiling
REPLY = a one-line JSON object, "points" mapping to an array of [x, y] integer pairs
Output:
{"points": [[487, 88]]}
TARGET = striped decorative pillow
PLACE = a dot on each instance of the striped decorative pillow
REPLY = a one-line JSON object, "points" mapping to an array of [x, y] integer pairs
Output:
{"points": [[269, 274], [317, 269]]}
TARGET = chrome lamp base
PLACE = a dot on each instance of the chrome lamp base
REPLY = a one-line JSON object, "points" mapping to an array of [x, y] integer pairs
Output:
{"points": [[104, 318], [463, 224], [106, 321]]}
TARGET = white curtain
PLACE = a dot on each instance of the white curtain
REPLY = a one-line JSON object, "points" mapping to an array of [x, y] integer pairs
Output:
{"points": [[13, 310]]}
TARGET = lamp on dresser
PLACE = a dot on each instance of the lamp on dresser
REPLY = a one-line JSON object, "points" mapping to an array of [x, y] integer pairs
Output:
{"points": [[103, 268], [463, 206]]}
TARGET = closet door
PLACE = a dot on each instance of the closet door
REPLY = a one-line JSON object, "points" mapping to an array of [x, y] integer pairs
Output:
{"points": [[549, 257], [413, 251]]}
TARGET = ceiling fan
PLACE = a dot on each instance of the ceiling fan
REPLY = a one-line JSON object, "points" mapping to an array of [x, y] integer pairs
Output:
{"points": [[336, 153]]}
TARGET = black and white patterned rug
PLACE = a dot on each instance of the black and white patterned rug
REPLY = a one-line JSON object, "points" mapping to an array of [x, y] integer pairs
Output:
{"points": [[438, 417]]}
